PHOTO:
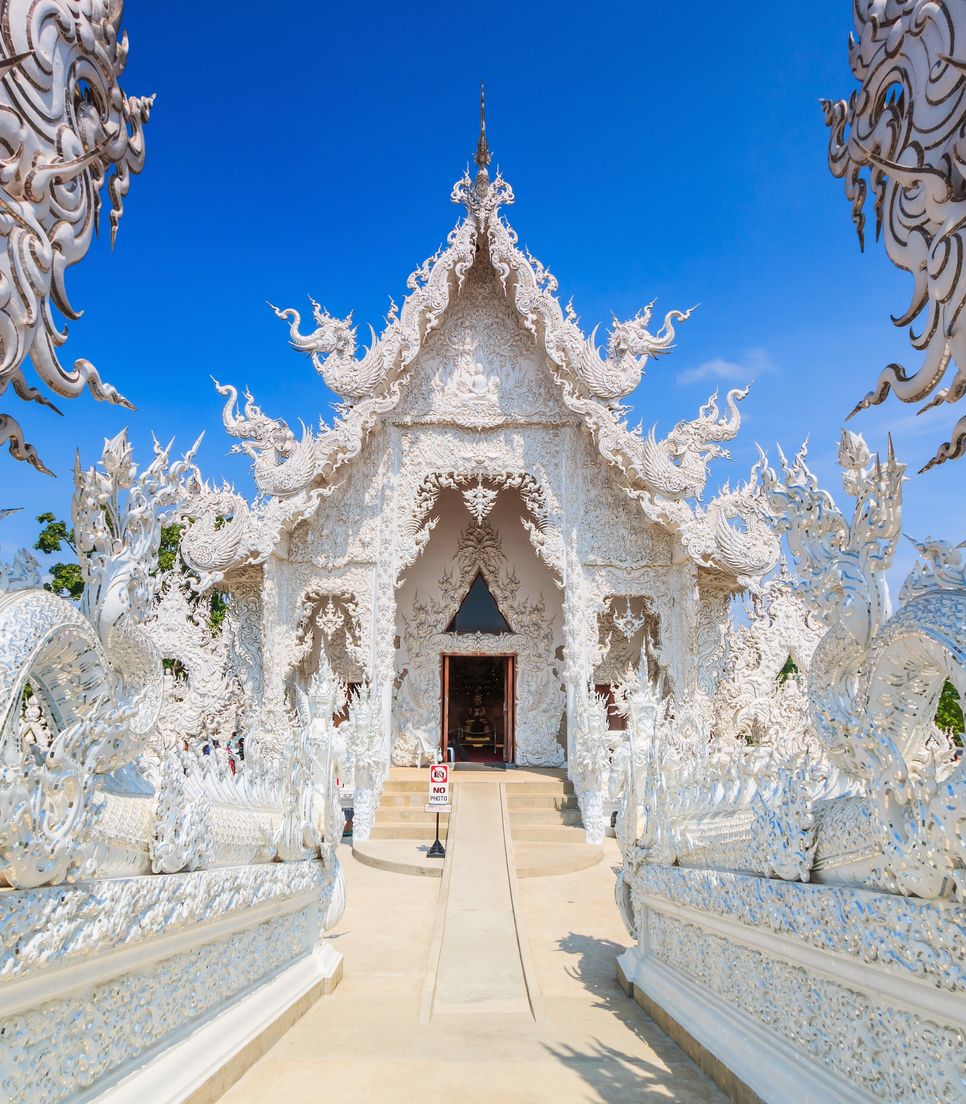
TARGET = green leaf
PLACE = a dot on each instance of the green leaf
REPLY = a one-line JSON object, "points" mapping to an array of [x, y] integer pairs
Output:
{"points": [[66, 580], [168, 549], [790, 668], [54, 535], [949, 714]]}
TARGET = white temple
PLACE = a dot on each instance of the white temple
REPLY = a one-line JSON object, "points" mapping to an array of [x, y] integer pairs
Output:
{"points": [[480, 561], [481, 444]]}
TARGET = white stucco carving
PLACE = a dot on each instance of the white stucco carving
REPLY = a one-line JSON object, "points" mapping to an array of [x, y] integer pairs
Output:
{"points": [[904, 125], [96, 667], [65, 125]]}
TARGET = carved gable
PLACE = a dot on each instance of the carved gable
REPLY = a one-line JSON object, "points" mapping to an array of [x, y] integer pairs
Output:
{"points": [[613, 529], [481, 367]]}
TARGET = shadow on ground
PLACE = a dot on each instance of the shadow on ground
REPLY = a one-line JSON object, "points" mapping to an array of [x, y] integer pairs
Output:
{"points": [[615, 1076]]}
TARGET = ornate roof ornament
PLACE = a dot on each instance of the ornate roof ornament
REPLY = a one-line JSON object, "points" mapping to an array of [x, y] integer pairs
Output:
{"points": [[482, 157], [904, 124], [67, 124], [528, 285]]}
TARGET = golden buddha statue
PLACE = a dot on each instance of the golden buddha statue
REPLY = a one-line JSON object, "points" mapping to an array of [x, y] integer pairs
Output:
{"points": [[476, 728]]}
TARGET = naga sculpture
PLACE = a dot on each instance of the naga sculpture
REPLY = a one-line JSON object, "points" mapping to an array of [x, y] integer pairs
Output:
{"points": [[837, 773], [332, 348], [904, 125], [65, 124], [876, 676], [280, 464], [678, 464], [213, 541], [96, 667]]}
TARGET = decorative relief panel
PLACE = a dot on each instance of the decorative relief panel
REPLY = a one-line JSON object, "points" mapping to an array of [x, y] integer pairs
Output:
{"points": [[891, 1053], [62, 1047], [52, 926], [893, 933], [612, 529], [345, 529], [481, 367]]}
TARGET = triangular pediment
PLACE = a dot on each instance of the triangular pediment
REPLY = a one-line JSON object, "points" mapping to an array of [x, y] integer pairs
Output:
{"points": [[478, 612], [481, 366]]}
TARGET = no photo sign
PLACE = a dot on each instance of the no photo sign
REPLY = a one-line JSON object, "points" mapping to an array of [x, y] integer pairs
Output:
{"points": [[438, 788]]}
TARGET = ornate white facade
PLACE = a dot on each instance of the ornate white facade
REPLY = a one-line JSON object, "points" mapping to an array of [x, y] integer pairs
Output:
{"points": [[792, 836], [480, 433]]}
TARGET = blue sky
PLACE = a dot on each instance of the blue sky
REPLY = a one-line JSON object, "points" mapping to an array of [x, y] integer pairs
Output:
{"points": [[670, 151]]}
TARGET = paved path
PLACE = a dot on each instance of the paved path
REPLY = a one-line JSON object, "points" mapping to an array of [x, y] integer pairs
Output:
{"points": [[480, 970], [590, 1044]]}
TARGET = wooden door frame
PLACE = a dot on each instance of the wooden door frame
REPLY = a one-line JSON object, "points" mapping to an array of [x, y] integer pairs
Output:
{"points": [[509, 696]]}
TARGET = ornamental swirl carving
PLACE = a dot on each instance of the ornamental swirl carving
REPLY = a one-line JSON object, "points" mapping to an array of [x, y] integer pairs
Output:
{"points": [[904, 125], [65, 124]]}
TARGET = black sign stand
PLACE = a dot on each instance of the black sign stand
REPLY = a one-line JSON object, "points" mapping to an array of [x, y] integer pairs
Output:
{"points": [[437, 851]]}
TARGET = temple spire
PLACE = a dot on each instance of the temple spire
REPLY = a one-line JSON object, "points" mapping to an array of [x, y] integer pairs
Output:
{"points": [[482, 157]]}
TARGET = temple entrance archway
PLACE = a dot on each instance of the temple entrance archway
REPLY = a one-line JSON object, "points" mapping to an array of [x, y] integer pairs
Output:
{"points": [[478, 707]]}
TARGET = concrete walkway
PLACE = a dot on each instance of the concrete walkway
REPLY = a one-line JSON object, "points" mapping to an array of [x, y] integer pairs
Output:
{"points": [[480, 970], [589, 1042]]}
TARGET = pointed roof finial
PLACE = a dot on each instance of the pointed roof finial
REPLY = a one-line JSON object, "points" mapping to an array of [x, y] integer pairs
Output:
{"points": [[482, 157]]}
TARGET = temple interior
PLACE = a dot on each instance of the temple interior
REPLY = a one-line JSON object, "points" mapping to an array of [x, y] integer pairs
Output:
{"points": [[477, 713]]}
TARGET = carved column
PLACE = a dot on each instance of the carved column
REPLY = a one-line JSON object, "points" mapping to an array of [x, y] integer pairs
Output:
{"points": [[277, 640], [679, 638], [244, 627], [714, 594]]}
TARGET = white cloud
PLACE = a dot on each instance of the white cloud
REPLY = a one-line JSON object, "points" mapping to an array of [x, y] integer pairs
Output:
{"points": [[754, 364]]}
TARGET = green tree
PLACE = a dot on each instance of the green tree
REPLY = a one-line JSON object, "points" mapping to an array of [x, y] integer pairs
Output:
{"points": [[65, 578], [67, 581], [168, 549], [219, 608]]}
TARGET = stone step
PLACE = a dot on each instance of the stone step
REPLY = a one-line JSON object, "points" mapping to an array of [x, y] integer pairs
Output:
{"points": [[407, 785], [541, 860], [540, 801], [550, 786], [400, 857], [392, 800], [402, 814], [547, 833], [409, 831], [545, 816]]}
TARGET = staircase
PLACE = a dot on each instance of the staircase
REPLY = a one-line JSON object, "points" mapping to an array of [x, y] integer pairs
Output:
{"points": [[544, 812], [548, 835], [402, 813]]}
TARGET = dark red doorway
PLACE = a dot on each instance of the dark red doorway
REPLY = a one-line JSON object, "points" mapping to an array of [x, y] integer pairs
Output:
{"points": [[478, 693]]}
